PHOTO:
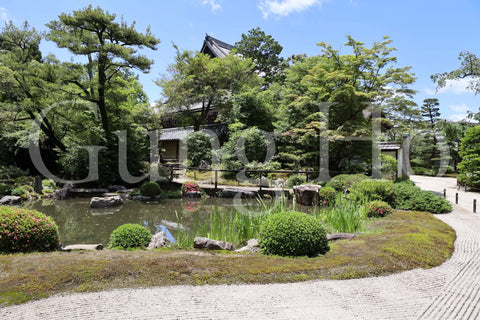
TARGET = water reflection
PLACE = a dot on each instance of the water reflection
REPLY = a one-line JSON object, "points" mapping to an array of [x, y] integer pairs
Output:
{"points": [[78, 223]]}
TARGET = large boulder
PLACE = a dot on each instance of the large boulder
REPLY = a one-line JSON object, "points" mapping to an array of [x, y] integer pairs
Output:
{"points": [[307, 194], [10, 200], [252, 246], [159, 240], [237, 192], [106, 202], [205, 243]]}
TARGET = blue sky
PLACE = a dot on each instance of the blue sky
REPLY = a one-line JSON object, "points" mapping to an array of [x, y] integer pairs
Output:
{"points": [[428, 35]]}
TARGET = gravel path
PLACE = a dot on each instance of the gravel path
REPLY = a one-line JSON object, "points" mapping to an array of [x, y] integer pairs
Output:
{"points": [[450, 291]]}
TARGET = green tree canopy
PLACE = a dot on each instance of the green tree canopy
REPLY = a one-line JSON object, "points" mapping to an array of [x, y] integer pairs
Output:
{"points": [[109, 46], [197, 84], [469, 167], [265, 52]]}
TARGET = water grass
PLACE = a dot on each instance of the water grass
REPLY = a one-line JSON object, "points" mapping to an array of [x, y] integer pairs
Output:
{"points": [[231, 226], [344, 216]]}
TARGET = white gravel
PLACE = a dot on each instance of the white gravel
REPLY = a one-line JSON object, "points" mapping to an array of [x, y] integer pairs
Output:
{"points": [[450, 291]]}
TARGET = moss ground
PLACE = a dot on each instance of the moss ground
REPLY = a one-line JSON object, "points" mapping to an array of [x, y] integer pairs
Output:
{"points": [[401, 241]]}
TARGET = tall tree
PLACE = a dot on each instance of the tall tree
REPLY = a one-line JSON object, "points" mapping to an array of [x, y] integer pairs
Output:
{"points": [[197, 84], [26, 81], [265, 52], [351, 84], [109, 46], [431, 111]]}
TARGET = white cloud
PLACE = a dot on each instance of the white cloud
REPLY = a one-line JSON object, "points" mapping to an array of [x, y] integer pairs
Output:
{"points": [[454, 86], [283, 8], [213, 4], [460, 108], [459, 112], [3, 14]]}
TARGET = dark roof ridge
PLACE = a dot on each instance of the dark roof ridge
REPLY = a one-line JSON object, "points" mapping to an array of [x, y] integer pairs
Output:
{"points": [[219, 42]]}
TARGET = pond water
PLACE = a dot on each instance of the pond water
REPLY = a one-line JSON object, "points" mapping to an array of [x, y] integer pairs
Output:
{"points": [[78, 223]]}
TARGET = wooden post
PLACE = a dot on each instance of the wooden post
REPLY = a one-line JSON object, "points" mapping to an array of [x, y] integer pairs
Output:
{"points": [[171, 173], [260, 181], [216, 181], [445, 193], [456, 198], [474, 205]]}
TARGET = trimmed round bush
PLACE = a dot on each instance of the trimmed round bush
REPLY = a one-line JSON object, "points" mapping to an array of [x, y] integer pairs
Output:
{"points": [[293, 234], [150, 189], [327, 196], [23, 230], [378, 209], [130, 236], [295, 180]]}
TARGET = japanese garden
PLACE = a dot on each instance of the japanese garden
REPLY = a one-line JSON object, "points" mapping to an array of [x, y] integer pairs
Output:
{"points": [[252, 168]]}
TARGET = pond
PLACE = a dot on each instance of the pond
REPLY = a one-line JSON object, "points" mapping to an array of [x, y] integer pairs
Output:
{"points": [[78, 223]]}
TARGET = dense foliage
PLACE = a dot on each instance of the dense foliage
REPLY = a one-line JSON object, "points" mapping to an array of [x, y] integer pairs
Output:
{"points": [[199, 148], [343, 182], [293, 234], [469, 168], [130, 236], [371, 189], [296, 179], [407, 196], [327, 196], [23, 230]]}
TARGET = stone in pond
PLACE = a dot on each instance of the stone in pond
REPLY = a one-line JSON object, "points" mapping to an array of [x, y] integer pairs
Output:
{"points": [[106, 202], [10, 200]]}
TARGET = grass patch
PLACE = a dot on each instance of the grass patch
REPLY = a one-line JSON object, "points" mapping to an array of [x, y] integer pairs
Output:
{"points": [[401, 241]]}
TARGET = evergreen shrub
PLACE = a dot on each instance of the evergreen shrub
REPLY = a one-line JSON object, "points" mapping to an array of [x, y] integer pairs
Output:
{"points": [[150, 189], [130, 236], [23, 230], [293, 234], [372, 190], [410, 197], [343, 182], [19, 192], [327, 196], [295, 180]]}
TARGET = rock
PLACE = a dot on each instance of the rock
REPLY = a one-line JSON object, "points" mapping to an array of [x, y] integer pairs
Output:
{"points": [[279, 183], [62, 194], [10, 200], [263, 182], [116, 188], [205, 243], [91, 247], [233, 192], [159, 240], [105, 202], [341, 236], [252, 245], [307, 194], [141, 198], [192, 194]]}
